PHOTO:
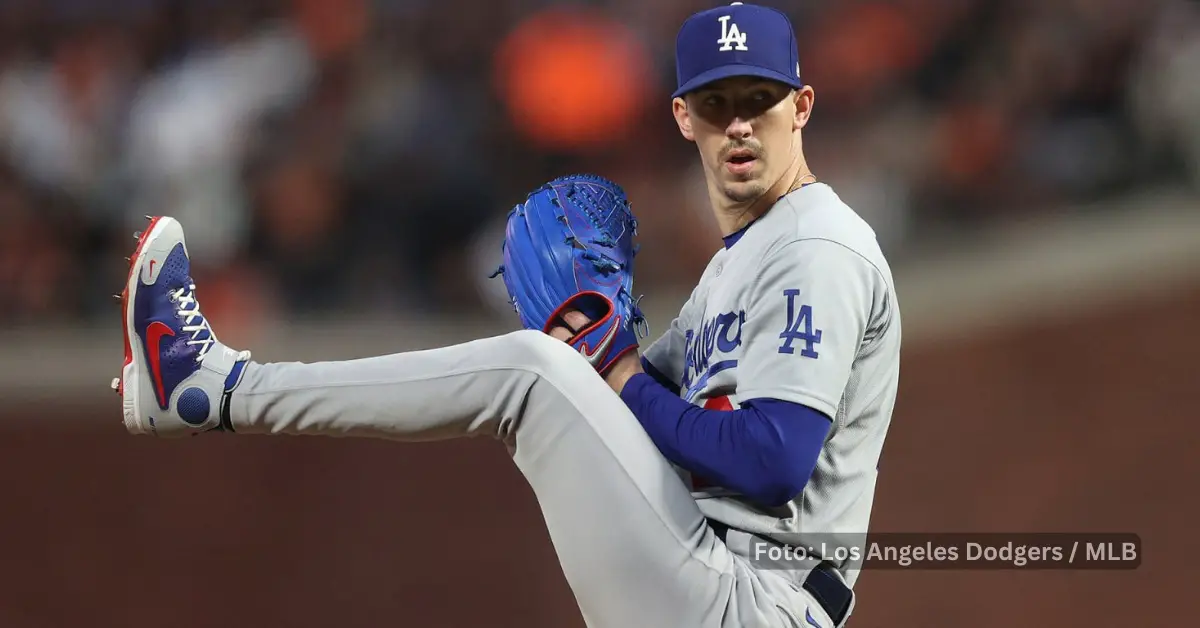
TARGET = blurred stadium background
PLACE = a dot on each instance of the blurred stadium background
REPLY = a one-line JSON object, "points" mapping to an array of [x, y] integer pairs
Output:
{"points": [[1032, 168]]}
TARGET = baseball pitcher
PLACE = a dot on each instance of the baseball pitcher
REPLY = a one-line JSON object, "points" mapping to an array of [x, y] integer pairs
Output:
{"points": [[756, 420]]}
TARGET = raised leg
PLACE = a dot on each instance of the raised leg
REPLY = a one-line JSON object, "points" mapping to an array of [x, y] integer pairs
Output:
{"points": [[632, 543]]}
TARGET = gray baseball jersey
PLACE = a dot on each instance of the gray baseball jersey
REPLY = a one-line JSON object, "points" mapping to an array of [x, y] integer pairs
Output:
{"points": [[801, 308]]}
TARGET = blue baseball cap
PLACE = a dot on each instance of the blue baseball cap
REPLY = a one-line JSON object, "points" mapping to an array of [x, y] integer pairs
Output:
{"points": [[736, 40]]}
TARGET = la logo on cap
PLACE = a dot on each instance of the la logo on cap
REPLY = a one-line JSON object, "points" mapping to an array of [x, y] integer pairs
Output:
{"points": [[732, 38]]}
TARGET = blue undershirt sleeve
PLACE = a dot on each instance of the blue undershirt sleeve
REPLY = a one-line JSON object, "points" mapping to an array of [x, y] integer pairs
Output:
{"points": [[766, 450]]}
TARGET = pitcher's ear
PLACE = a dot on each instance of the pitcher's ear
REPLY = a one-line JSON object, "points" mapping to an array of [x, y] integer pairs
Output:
{"points": [[682, 118], [804, 99]]}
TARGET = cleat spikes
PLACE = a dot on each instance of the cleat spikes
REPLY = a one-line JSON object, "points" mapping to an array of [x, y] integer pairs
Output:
{"points": [[137, 235], [117, 298], [148, 217]]}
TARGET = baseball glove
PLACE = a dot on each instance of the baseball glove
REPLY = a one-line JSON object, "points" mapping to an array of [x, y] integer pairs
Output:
{"points": [[569, 246]]}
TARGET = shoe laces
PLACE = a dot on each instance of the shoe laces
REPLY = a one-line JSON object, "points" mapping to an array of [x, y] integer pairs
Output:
{"points": [[194, 322]]}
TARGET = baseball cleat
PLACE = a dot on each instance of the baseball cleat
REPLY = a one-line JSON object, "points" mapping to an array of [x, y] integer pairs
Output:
{"points": [[176, 375]]}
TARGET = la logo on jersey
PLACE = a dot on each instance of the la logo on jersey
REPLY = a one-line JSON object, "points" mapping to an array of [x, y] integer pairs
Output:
{"points": [[732, 38], [799, 327]]}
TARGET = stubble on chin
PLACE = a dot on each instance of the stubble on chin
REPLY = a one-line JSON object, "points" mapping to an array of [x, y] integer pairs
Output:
{"points": [[743, 192]]}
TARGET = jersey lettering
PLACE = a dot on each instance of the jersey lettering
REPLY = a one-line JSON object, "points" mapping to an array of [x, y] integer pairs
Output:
{"points": [[721, 333], [799, 327]]}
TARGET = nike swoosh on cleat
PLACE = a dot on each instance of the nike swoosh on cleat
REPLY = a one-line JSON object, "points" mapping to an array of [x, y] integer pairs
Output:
{"points": [[154, 335], [596, 356]]}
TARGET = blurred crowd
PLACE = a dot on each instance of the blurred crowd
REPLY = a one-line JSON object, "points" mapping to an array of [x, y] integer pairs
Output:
{"points": [[332, 156]]}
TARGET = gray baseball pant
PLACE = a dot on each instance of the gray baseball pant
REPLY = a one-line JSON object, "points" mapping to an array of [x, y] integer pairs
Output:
{"points": [[632, 543]]}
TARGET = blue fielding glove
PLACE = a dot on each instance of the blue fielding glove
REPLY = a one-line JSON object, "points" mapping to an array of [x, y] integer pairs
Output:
{"points": [[569, 246]]}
